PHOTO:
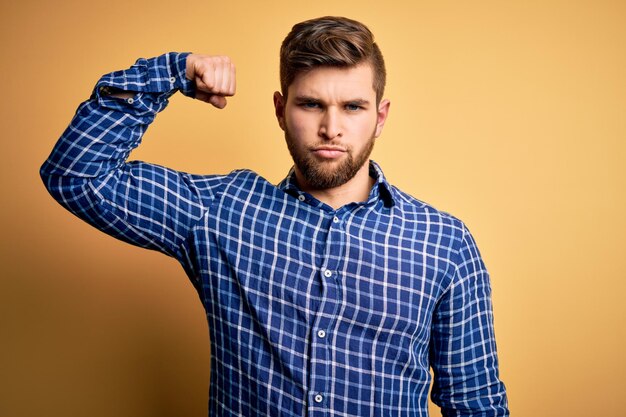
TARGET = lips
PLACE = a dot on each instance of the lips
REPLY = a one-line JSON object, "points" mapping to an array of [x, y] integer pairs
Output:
{"points": [[329, 152]]}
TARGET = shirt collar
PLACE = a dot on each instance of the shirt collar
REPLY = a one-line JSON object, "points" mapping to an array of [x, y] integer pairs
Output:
{"points": [[381, 190]]}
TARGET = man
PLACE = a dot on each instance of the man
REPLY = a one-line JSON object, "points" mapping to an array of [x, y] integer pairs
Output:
{"points": [[331, 294]]}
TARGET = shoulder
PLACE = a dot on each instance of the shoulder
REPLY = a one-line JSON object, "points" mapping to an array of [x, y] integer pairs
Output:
{"points": [[437, 226], [238, 183], [216, 183], [444, 235], [412, 207]]}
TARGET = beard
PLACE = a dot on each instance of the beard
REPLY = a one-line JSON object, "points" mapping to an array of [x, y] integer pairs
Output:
{"points": [[321, 175]]}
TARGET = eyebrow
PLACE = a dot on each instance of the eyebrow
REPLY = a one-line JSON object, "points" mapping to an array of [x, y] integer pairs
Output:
{"points": [[310, 99], [306, 99], [358, 101]]}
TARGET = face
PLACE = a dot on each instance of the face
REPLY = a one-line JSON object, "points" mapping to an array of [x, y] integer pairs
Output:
{"points": [[331, 119]]}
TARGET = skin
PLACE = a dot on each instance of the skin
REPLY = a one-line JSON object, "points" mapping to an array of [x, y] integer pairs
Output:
{"points": [[214, 77], [330, 118]]}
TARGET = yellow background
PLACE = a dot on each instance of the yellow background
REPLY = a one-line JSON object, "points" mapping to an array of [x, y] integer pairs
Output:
{"points": [[510, 115]]}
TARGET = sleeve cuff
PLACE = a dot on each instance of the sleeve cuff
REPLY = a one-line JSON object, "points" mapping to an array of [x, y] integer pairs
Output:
{"points": [[167, 73], [152, 80], [162, 74]]}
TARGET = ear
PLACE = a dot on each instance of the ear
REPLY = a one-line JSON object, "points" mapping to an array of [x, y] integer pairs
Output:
{"points": [[279, 109], [381, 117]]}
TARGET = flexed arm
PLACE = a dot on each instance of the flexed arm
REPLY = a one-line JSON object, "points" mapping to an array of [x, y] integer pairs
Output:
{"points": [[87, 171]]}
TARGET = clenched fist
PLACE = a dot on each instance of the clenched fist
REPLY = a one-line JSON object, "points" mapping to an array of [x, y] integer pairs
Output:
{"points": [[214, 77]]}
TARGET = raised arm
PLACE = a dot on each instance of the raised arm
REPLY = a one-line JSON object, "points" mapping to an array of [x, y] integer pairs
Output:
{"points": [[463, 347], [87, 171]]}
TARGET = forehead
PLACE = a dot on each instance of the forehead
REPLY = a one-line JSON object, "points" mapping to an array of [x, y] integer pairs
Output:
{"points": [[335, 83]]}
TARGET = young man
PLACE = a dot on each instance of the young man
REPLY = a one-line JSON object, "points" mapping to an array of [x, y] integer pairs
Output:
{"points": [[331, 294]]}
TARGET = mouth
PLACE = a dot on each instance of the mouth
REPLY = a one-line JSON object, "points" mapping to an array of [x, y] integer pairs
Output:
{"points": [[329, 152]]}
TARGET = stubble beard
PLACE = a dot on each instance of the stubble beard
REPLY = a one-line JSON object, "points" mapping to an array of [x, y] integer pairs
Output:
{"points": [[321, 175]]}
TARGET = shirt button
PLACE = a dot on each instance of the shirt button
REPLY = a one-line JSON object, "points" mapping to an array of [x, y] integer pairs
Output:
{"points": [[335, 219], [172, 80], [321, 334], [130, 101], [318, 398], [328, 273], [301, 197]]}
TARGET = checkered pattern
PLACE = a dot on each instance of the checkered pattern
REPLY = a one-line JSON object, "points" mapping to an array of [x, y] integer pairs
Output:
{"points": [[312, 311]]}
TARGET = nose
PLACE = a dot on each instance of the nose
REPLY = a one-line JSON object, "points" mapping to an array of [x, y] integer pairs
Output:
{"points": [[330, 125]]}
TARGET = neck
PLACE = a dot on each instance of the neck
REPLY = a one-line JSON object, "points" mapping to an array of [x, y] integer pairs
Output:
{"points": [[356, 190]]}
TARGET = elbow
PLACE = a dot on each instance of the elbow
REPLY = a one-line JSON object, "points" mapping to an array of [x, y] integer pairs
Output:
{"points": [[44, 174], [50, 181], [64, 189]]}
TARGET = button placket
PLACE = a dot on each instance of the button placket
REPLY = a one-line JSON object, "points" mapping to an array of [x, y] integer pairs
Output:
{"points": [[321, 366], [331, 283]]}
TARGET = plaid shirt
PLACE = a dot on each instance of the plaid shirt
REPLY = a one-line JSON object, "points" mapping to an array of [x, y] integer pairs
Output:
{"points": [[312, 311]]}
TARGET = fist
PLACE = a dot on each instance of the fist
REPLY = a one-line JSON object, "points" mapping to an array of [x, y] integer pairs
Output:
{"points": [[214, 77]]}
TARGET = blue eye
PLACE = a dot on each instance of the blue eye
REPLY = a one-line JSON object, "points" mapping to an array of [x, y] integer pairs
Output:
{"points": [[310, 105], [352, 107]]}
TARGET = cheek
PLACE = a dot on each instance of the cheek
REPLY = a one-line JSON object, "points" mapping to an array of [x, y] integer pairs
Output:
{"points": [[299, 125], [365, 126]]}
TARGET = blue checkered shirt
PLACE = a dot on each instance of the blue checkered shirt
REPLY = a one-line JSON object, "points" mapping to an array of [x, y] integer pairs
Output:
{"points": [[312, 311]]}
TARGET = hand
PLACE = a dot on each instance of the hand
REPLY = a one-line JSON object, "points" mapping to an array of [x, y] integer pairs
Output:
{"points": [[214, 77]]}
